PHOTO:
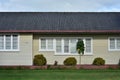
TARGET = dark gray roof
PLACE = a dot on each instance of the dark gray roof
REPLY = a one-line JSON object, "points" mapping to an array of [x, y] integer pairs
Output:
{"points": [[59, 21]]}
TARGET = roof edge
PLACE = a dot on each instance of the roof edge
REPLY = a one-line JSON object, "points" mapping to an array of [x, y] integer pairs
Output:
{"points": [[52, 12], [60, 31]]}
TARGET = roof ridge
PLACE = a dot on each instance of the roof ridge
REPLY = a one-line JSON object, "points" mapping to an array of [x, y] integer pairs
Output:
{"points": [[58, 12]]}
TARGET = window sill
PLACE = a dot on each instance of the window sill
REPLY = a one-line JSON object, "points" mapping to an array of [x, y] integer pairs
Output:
{"points": [[9, 50], [114, 50], [58, 54], [45, 50]]}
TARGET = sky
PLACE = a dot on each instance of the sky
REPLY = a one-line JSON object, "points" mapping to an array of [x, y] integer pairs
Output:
{"points": [[59, 5]]}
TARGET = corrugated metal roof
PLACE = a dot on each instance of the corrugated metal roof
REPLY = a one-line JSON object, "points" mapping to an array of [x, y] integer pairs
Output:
{"points": [[59, 21]]}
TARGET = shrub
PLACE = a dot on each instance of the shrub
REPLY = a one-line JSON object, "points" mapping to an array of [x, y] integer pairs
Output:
{"points": [[39, 60], [70, 61], [98, 61]]}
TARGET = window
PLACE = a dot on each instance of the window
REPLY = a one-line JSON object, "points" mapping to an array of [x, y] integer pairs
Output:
{"points": [[43, 43], [118, 43], [15, 42], [114, 43], [58, 45], [9, 42], [46, 44], [50, 43], [64, 45], [1, 42], [88, 45], [73, 43]]}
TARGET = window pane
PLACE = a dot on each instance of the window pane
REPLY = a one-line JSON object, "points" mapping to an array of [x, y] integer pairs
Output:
{"points": [[66, 45], [112, 43], [8, 42], [73, 45], [43, 43], [15, 42], [1, 42], [118, 43], [58, 46], [50, 43], [88, 45]]}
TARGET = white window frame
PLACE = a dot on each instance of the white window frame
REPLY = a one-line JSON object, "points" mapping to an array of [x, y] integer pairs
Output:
{"points": [[115, 44], [70, 45], [88, 53], [11, 35], [62, 44], [46, 44]]}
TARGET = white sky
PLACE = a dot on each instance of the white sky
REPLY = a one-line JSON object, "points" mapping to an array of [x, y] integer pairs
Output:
{"points": [[60, 5]]}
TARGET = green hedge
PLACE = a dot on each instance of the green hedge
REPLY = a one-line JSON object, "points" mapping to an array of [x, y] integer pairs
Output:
{"points": [[99, 61], [39, 60], [70, 61]]}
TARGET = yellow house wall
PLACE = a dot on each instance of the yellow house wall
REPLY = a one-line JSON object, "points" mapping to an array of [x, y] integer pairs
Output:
{"points": [[21, 57], [100, 49]]}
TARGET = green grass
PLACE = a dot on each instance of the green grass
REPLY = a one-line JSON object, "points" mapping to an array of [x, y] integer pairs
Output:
{"points": [[59, 74]]}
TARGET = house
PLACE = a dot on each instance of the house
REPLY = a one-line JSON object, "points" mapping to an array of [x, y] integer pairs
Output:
{"points": [[54, 34]]}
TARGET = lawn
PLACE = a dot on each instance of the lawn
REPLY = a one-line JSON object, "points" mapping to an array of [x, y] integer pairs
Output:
{"points": [[59, 74]]}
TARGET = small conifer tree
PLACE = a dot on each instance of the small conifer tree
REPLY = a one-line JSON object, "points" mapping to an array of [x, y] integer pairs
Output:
{"points": [[80, 48]]}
